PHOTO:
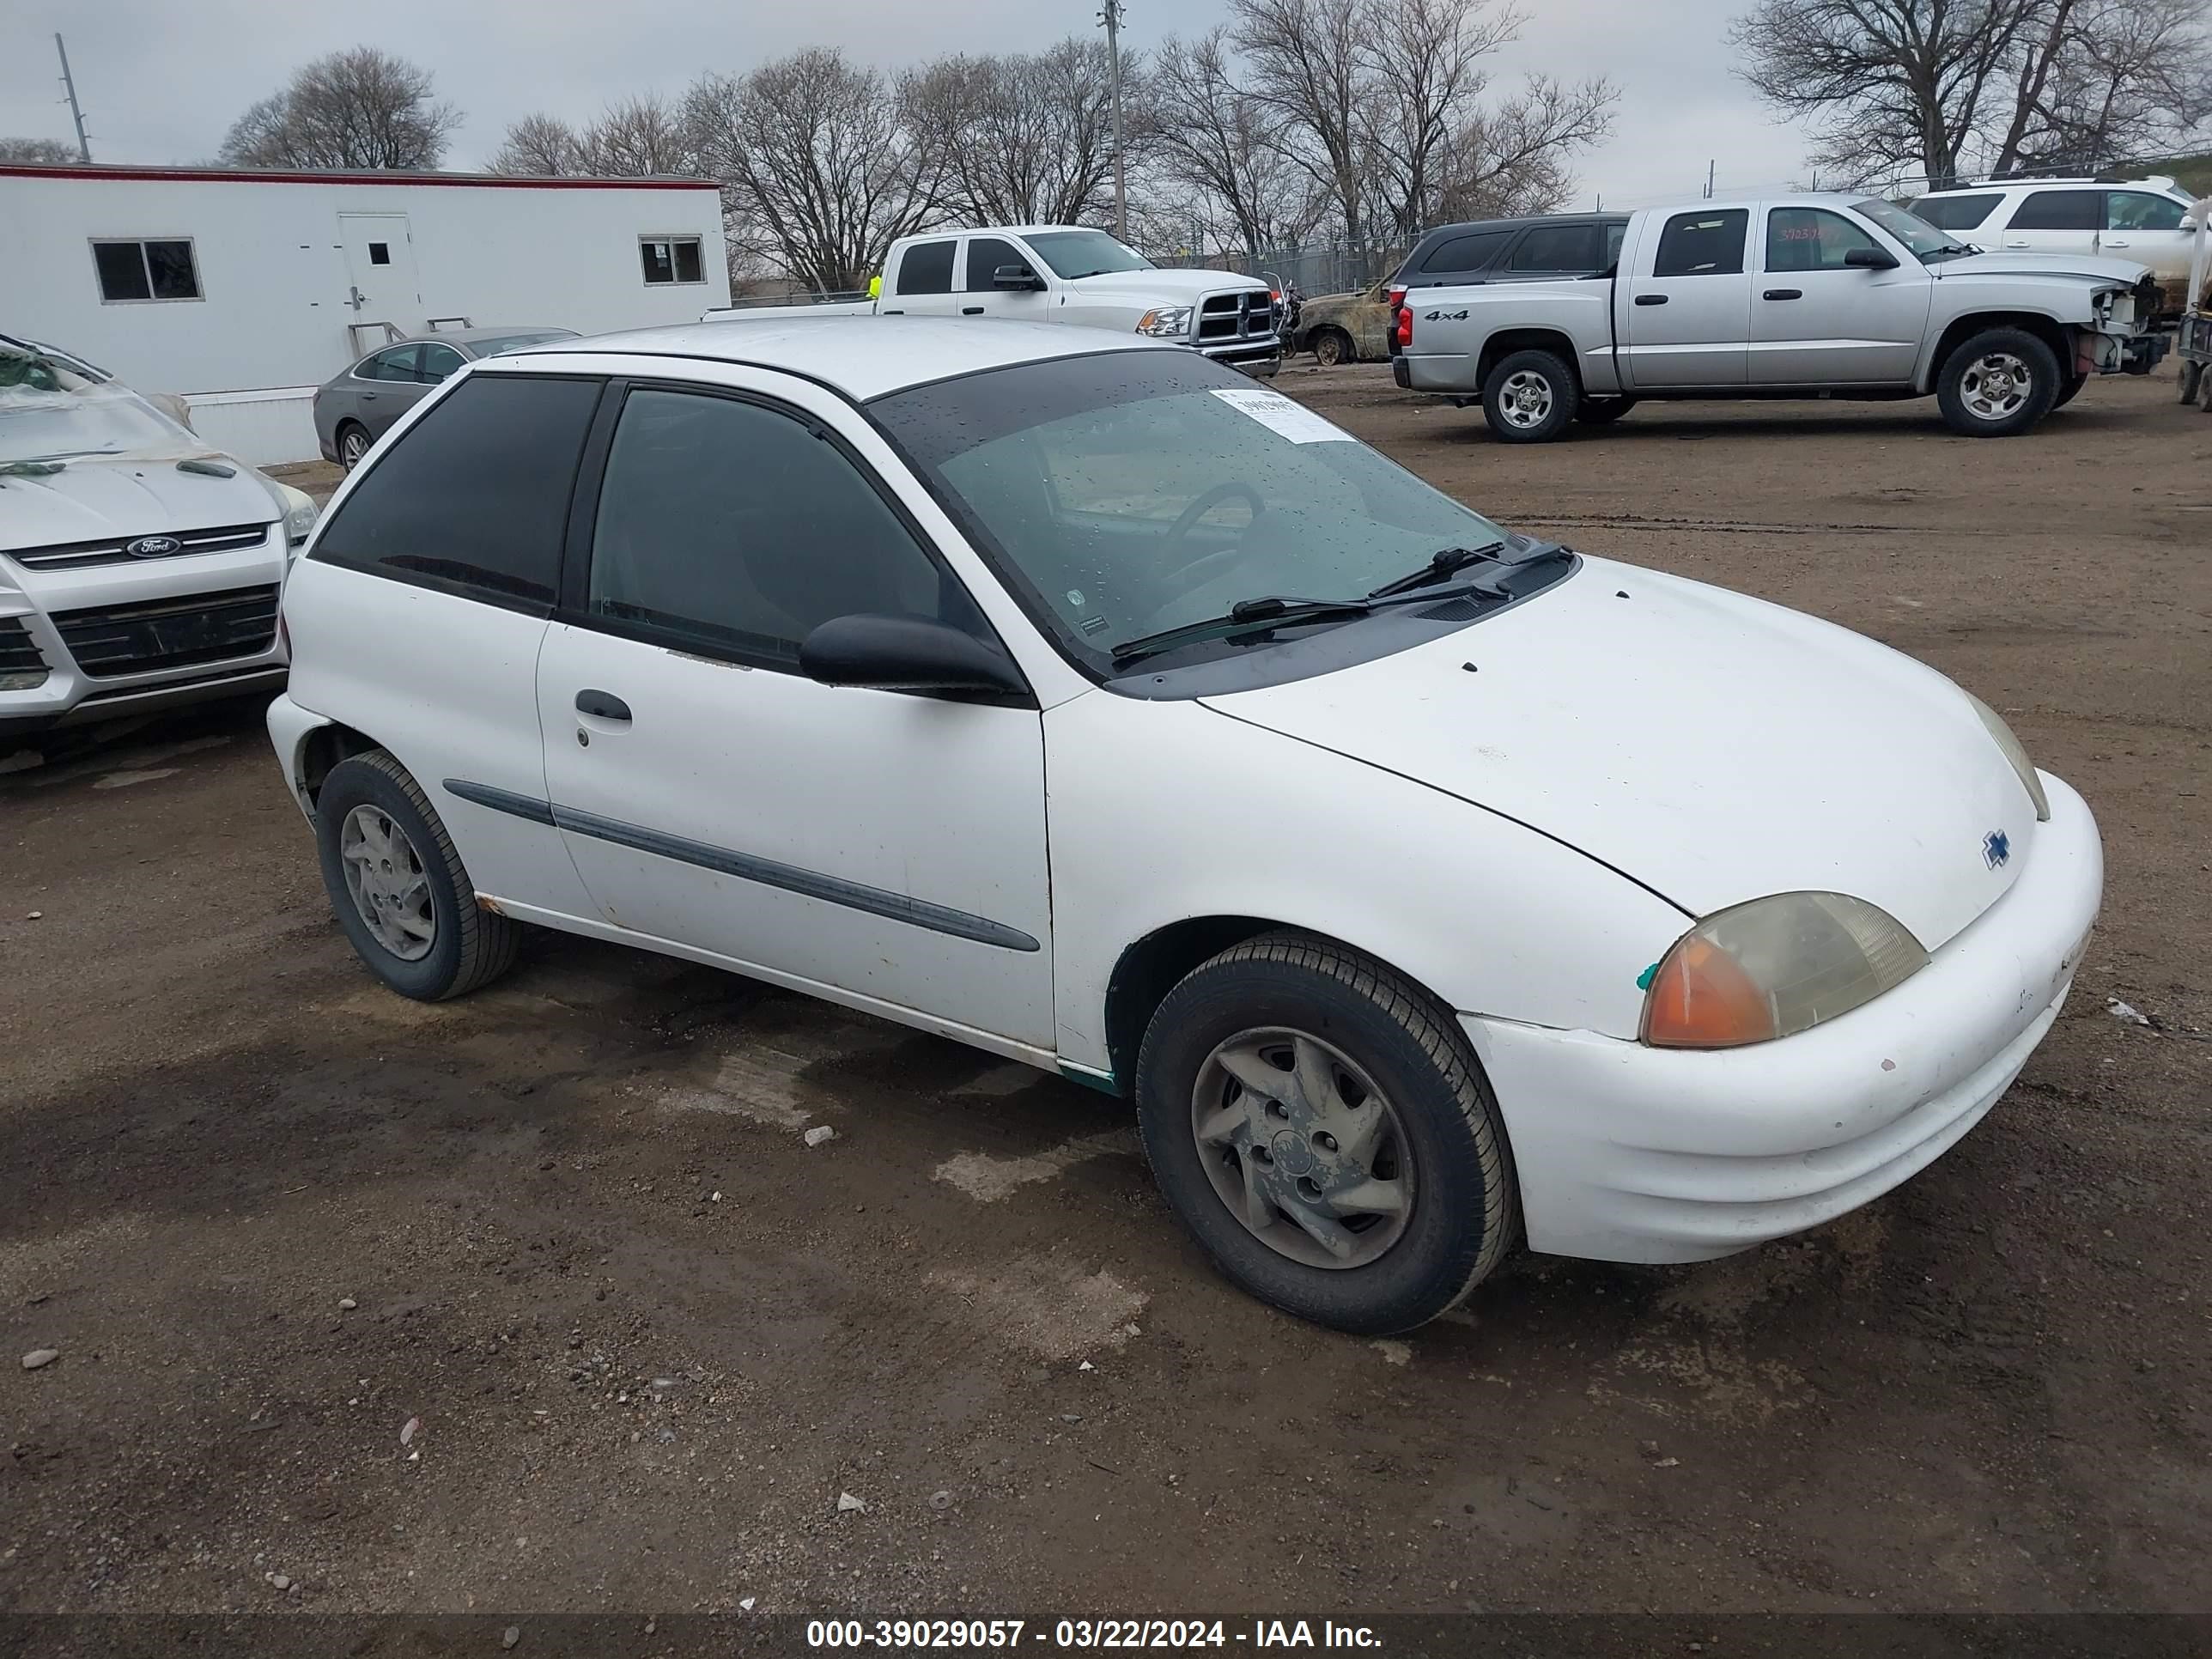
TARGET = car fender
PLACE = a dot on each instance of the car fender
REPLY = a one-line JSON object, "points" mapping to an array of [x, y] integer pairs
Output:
{"points": [[1163, 812], [291, 729]]}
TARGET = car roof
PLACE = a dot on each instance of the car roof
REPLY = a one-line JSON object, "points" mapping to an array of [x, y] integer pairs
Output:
{"points": [[1472, 226], [863, 357], [490, 331], [2152, 182]]}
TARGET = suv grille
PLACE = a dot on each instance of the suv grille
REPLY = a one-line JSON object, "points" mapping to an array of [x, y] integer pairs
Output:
{"points": [[73, 555], [19, 652], [1241, 316], [134, 639]]}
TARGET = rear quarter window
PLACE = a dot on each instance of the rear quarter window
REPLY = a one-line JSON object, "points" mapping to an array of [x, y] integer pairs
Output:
{"points": [[473, 498], [1956, 212], [1469, 255]]}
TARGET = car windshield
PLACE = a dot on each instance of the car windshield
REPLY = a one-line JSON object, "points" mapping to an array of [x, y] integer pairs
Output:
{"points": [[515, 342], [1073, 254], [1124, 494], [1928, 245], [51, 412]]}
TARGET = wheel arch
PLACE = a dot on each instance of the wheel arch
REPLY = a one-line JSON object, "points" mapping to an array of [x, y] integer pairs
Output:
{"points": [[315, 747], [1151, 967], [2056, 335], [1508, 341], [1340, 332]]}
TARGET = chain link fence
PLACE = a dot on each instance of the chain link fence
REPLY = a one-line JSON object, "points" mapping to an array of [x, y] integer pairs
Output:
{"points": [[1312, 270]]}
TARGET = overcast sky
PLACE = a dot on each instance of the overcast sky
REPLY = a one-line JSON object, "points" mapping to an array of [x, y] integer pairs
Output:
{"points": [[161, 80]]}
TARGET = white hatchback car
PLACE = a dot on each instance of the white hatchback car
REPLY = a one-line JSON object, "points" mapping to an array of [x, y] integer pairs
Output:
{"points": [[1423, 884]]}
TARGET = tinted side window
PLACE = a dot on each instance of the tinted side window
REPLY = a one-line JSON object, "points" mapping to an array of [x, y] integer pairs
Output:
{"points": [[734, 527], [926, 267], [438, 361], [2138, 209], [1956, 212], [1559, 247], [985, 255], [1709, 244], [2060, 209], [1470, 253], [476, 495], [397, 364], [1810, 239]]}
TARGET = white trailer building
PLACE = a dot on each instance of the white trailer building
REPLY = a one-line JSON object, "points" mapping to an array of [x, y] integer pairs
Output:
{"points": [[242, 291]]}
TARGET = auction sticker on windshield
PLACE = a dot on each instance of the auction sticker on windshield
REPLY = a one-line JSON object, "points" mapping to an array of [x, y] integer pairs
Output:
{"points": [[1279, 414]]}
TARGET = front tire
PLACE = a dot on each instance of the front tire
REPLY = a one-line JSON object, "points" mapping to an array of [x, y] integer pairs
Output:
{"points": [[1997, 384], [2191, 377], [1530, 397], [1332, 347], [1326, 1135], [400, 890]]}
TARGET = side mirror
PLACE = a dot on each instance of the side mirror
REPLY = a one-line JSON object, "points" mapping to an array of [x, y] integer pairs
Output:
{"points": [[1868, 258], [2188, 223], [1020, 278], [907, 653]]}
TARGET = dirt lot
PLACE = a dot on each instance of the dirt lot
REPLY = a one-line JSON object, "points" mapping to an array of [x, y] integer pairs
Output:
{"points": [[269, 1215]]}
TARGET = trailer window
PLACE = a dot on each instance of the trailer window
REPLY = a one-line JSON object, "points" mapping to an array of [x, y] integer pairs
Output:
{"points": [[670, 260], [137, 271]]}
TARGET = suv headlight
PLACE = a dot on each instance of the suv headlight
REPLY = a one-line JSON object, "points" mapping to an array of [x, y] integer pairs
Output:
{"points": [[1166, 323], [300, 512], [1774, 967], [2014, 753]]}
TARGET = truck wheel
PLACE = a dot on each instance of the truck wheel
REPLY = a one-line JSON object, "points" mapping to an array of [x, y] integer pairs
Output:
{"points": [[1333, 346], [1603, 411], [2192, 377], [400, 890], [1530, 397], [1327, 1135], [1997, 384], [2071, 390]]}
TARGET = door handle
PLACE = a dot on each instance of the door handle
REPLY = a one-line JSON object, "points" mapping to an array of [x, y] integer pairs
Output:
{"points": [[2015, 244], [971, 311], [1651, 299], [601, 705], [1785, 293], [368, 397], [2116, 241]]}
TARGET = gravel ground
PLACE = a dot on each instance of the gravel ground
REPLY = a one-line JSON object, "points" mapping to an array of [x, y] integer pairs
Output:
{"points": [[539, 1301]]}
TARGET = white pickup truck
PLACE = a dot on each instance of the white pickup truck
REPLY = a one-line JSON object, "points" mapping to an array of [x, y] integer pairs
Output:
{"points": [[1796, 296], [1061, 274]]}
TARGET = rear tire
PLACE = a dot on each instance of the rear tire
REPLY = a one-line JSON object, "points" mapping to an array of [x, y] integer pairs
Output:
{"points": [[1530, 397], [400, 890], [1603, 411], [1997, 384], [353, 440], [2193, 378], [1378, 1110]]}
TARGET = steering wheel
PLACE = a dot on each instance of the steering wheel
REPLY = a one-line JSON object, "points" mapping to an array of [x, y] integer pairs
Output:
{"points": [[1198, 569]]}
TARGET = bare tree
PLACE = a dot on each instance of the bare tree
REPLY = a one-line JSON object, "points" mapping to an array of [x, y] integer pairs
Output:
{"points": [[1024, 139], [361, 108], [38, 152], [637, 138], [1513, 159], [1307, 62], [1934, 88], [1425, 58], [820, 172], [1213, 139], [541, 144]]}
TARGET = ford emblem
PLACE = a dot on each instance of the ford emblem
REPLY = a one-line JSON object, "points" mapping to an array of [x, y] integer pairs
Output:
{"points": [[153, 547]]}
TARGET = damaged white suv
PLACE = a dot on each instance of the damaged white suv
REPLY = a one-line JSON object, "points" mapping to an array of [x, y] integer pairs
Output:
{"points": [[139, 569]]}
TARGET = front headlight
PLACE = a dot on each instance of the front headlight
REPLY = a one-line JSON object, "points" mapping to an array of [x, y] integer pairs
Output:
{"points": [[1167, 323], [300, 511], [2014, 753], [1774, 967]]}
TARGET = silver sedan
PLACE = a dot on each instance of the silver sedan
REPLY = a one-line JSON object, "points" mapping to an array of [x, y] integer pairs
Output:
{"points": [[354, 406]]}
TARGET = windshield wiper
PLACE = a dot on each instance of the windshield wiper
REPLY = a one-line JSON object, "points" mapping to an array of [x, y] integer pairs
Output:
{"points": [[1443, 562], [1267, 611]]}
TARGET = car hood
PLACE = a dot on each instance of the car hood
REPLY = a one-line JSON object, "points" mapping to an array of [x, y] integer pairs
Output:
{"points": [[1709, 746], [96, 497], [2125, 273], [1154, 286]]}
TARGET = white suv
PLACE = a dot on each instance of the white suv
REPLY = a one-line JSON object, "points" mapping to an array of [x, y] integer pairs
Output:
{"points": [[2148, 219], [1073, 698]]}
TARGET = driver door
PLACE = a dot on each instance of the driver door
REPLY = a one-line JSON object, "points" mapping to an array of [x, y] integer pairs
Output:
{"points": [[885, 846]]}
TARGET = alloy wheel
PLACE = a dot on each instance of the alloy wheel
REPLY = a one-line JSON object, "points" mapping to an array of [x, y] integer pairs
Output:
{"points": [[1525, 400], [1996, 385], [1302, 1148]]}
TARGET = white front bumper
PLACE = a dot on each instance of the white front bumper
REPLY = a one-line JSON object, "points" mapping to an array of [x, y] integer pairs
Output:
{"points": [[1627, 1153]]}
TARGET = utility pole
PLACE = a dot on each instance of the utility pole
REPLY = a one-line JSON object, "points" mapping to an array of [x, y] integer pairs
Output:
{"points": [[1709, 166], [83, 146], [1110, 15]]}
